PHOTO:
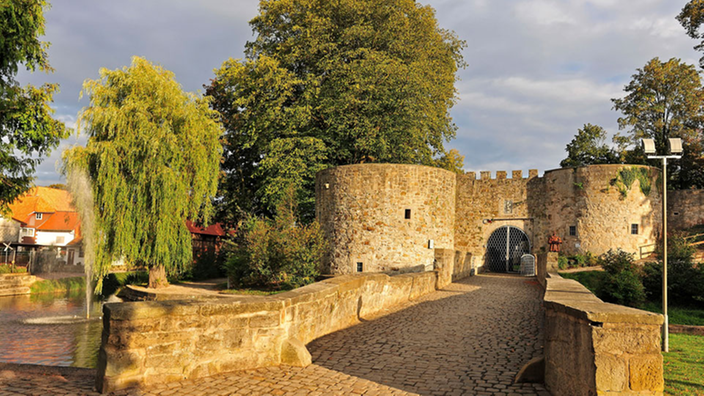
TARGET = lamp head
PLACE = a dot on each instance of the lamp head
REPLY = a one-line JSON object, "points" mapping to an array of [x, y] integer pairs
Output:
{"points": [[649, 146], [675, 146]]}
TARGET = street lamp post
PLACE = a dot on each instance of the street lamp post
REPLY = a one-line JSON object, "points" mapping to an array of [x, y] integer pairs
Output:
{"points": [[676, 153]]}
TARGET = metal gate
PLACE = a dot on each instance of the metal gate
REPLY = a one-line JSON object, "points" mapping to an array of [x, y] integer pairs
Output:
{"points": [[505, 248]]}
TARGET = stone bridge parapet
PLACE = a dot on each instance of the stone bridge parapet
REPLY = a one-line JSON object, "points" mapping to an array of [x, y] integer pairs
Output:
{"points": [[593, 347], [152, 342]]}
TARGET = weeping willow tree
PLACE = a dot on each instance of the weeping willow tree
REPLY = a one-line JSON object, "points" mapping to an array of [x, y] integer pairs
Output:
{"points": [[152, 157]]}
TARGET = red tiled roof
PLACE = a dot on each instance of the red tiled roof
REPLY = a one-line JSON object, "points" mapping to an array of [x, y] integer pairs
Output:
{"points": [[41, 200], [60, 221], [213, 229]]}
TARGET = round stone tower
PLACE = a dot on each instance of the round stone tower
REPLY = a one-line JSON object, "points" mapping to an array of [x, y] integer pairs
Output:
{"points": [[600, 207], [385, 217]]}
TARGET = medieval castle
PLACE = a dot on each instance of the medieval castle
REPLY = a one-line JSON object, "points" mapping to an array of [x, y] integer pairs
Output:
{"points": [[391, 217]]}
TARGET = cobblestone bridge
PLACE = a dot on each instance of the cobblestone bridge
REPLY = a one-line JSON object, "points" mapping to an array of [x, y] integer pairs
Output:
{"points": [[471, 338]]}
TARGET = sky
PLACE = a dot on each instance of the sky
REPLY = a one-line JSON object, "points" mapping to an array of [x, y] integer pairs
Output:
{"points": [[538, 70]]}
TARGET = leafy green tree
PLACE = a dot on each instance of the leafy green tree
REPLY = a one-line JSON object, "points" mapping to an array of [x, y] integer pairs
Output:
{"points": [[588, 148], [27, 131], [452, 161], [691, 18], [664, 100], [153, 157], [326, 84]]}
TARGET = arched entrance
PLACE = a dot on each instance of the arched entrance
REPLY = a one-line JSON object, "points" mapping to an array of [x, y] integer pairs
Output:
{"points": [[504, 249]]}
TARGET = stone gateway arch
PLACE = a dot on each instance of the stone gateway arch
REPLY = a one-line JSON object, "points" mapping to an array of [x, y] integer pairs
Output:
{"points": [[504, 249]]}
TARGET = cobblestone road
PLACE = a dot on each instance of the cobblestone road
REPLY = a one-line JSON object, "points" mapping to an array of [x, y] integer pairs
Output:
{"points": [[470, 339]]}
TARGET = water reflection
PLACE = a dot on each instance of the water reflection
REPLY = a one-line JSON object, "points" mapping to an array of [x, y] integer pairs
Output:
{"points": [[48, 344]]}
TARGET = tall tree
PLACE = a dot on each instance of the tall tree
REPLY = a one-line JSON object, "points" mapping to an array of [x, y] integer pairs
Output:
{"points": [[27, 130], [664, 100], [589, 148], [153, 158], [691, 18], [326, 84]]}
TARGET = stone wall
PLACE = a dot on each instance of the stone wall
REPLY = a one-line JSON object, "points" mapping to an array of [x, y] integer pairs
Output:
{"points": [[592, 347], [363, 211], [685, 208], [486, 204], [163, 341], [462, 266], [15, 284], [587, 199]]}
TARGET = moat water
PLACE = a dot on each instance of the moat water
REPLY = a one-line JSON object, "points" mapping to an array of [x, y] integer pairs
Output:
{"points": [[49, 330]]}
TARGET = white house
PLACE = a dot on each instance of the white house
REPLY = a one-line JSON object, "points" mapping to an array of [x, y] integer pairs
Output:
{"points": [[45, 218]]}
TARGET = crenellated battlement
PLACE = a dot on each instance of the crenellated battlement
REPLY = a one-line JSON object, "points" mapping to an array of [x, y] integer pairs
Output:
{"points": [[501, 175]]}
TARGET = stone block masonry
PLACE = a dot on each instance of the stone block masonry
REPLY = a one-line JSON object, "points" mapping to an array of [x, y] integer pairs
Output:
{"points": [[146, 343], [384, 217], [15, 284], [592, 347], [685, 208]]}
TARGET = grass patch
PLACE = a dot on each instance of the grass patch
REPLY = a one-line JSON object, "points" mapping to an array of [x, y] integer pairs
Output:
{"points": [[7, 269], [253, 292], [689, 316], [590, 279], [684, 365], [69, 286]]}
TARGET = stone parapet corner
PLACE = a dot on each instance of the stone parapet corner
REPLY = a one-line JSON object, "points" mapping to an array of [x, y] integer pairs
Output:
{"points": [[572, 298]]}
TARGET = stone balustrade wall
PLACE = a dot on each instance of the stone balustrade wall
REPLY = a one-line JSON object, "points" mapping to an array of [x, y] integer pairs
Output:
{"points": [[592, 347], [163, 341]]}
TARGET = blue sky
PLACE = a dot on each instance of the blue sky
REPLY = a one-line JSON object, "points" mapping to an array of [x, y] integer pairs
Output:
{"points": [[538, 69]]}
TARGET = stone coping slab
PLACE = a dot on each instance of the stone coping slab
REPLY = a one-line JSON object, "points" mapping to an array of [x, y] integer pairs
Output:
{"points": [[571, 297], [207, 305]]}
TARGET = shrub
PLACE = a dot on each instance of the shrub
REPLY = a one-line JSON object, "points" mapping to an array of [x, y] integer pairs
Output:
{"points": [[279, 253], [678, 249], [580, 260], [616, 261], [591, 260], [562, 262], [622, 283], [624, 288], [685, 279], [685, 282], [207, 264]]}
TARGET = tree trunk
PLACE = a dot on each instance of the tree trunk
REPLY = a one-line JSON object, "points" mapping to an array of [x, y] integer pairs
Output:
{"points": [[157, 277]]}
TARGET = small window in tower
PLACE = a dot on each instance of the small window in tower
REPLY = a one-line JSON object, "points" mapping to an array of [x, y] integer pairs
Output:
{"points": [[360, 267], [407, 215], [39, 216], [634, 229], [573, 230]]}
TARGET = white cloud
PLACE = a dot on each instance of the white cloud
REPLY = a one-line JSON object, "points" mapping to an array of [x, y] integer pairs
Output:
{"points": [[538, 69], [544, 12]]}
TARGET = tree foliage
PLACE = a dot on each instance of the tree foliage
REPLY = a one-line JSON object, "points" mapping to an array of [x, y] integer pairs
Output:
{"points": [[589, 148], [664, 100], [691, 18], [326, 84], [27, 130], [153, 158]]}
